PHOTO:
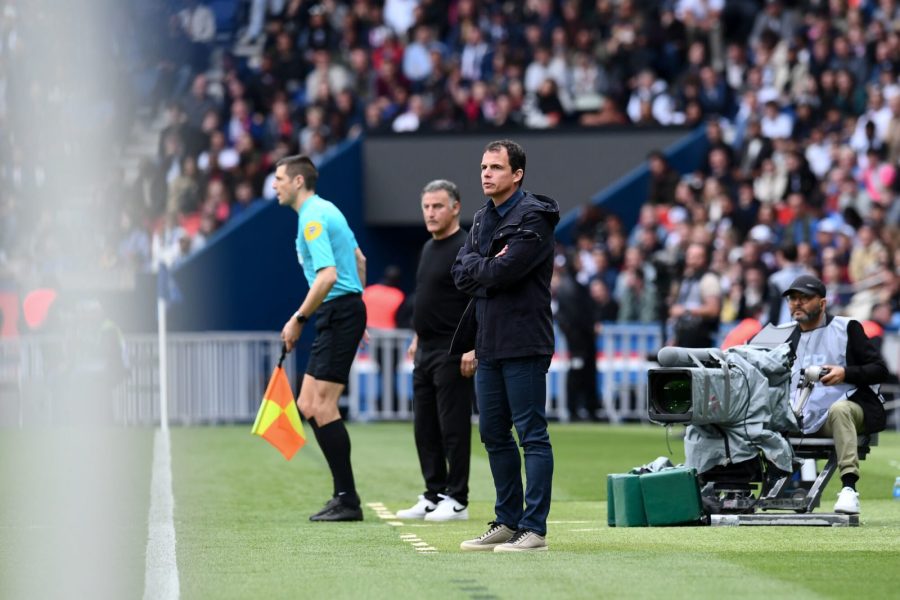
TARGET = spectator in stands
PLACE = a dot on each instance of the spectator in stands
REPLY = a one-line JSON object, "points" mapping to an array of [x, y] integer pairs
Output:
{"points": [[244, 197], [417, 62], [639, 301], [258, 12], [696, 302], [134, 243], [199, 24], [770, 185], [801, 228], [663, 179], [413, 117], [606, 308], [166, 243], [866, 254], [205, 231], [185, 189], [326, 72], [547, 110], [198, 102]]}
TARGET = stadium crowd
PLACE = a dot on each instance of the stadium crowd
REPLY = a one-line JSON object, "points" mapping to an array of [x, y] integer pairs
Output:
{"points": [[799, 100]]}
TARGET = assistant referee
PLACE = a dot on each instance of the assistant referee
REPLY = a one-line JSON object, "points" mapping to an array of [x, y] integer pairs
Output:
{"points": [[334, 267]]}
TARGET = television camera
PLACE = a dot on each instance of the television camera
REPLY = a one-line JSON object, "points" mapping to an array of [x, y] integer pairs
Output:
{"points": [[736, 406]]}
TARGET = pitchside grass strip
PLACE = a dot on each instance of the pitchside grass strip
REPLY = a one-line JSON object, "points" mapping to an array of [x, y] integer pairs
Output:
{"points": [[241, 519]]}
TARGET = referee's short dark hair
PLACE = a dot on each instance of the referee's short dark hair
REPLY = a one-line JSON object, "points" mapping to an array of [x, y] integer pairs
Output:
{"points": [[443, 185], [300, 164]]}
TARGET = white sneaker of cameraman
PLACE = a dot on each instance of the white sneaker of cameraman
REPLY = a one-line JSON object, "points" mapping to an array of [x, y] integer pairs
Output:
{"points": [[847, 502], [448, 509], [419, 511]]}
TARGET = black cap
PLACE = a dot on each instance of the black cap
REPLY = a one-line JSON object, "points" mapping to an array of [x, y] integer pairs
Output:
{"points": [[807, 284]]}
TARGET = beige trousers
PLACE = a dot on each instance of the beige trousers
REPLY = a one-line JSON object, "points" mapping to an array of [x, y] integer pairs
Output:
{"points": [[845, 421]]}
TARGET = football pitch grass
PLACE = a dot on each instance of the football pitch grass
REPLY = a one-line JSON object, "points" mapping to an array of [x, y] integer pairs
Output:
{"points": [[242, 529]]}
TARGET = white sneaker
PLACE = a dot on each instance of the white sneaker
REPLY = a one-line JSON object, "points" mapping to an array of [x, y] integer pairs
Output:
{"points": [[847, 502], [448, 509], [421, 510]]}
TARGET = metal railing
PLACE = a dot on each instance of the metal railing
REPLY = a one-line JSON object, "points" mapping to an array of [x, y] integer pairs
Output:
{"points": [[221, 377]]}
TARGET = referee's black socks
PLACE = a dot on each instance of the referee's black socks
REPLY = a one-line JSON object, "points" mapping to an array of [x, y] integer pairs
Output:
{"points": [[335, 444]]}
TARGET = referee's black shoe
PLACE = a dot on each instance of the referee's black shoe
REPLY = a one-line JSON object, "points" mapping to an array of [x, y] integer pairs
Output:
{"points": [[336, 510]]}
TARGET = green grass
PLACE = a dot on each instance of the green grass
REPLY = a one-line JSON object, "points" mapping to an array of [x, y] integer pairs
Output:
{"points": [[75, 502], [241, 520]]}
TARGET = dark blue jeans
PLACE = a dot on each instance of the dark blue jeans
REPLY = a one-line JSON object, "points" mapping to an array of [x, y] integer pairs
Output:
{"points": [[512, 392]]}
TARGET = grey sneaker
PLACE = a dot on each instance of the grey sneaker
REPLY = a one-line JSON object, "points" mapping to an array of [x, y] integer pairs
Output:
{"points": [[496, 535], [523, 541]]}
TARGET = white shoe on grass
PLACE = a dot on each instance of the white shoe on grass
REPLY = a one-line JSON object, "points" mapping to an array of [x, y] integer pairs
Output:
{"points": [[448, 509], [847, 502], [419, 511]]}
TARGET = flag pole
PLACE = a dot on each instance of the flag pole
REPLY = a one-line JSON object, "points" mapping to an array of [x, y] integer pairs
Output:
{"points": [[163, 364]]}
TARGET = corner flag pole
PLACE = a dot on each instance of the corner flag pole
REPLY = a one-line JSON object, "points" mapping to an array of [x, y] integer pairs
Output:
{"points": [[166, 292], [163, 365]]}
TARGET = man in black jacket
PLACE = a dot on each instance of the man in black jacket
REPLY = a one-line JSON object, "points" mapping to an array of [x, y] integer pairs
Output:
{"points": [[506, 264], [847, 402]]}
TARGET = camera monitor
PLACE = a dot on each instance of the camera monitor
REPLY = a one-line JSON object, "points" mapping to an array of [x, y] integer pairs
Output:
{"points": [[773, 335]]}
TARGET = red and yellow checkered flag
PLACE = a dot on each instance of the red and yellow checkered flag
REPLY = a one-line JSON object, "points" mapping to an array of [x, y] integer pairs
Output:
{"points": [[278, 421]]}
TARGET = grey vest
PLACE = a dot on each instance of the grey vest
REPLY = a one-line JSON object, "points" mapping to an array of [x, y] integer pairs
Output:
{"points": [[823, 346]]}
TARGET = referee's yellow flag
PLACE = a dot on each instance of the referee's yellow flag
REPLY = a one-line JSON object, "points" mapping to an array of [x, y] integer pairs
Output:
{"points": [[278, 421]]}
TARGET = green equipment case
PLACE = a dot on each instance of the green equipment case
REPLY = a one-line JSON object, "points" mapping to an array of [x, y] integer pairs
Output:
{"points": [[667, 497], [671, 497], [627, 501]]}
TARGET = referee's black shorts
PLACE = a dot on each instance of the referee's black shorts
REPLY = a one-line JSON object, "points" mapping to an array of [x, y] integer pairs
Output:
{"points": [[340, 324]]}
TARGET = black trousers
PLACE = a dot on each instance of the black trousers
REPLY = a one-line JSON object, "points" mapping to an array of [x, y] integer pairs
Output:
{"points": [[442, 403], [581, 384]]}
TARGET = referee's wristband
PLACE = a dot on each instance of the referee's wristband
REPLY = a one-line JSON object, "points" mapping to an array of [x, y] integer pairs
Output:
{"points": [[300, 318]]}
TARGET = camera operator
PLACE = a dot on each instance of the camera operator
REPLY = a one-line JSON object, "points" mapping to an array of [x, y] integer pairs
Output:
{"points": [[847, 401]]}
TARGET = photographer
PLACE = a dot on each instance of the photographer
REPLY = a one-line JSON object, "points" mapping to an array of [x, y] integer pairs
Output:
{"points": [[847, 402], [694, 316]]}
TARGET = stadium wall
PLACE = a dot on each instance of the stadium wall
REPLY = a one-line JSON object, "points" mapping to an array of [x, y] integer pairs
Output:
{"points": [[570, 166]]}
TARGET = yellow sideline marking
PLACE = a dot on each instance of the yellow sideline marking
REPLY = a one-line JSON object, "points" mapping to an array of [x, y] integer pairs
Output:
{"points": [[417, 543], [381, 510]]}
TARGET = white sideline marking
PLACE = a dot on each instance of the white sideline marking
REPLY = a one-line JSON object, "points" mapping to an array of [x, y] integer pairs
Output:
{"points": [[161, 571], [565, 522]]}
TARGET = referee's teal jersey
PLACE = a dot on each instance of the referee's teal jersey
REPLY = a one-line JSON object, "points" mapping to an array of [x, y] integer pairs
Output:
{"points": [[324, 239]]}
